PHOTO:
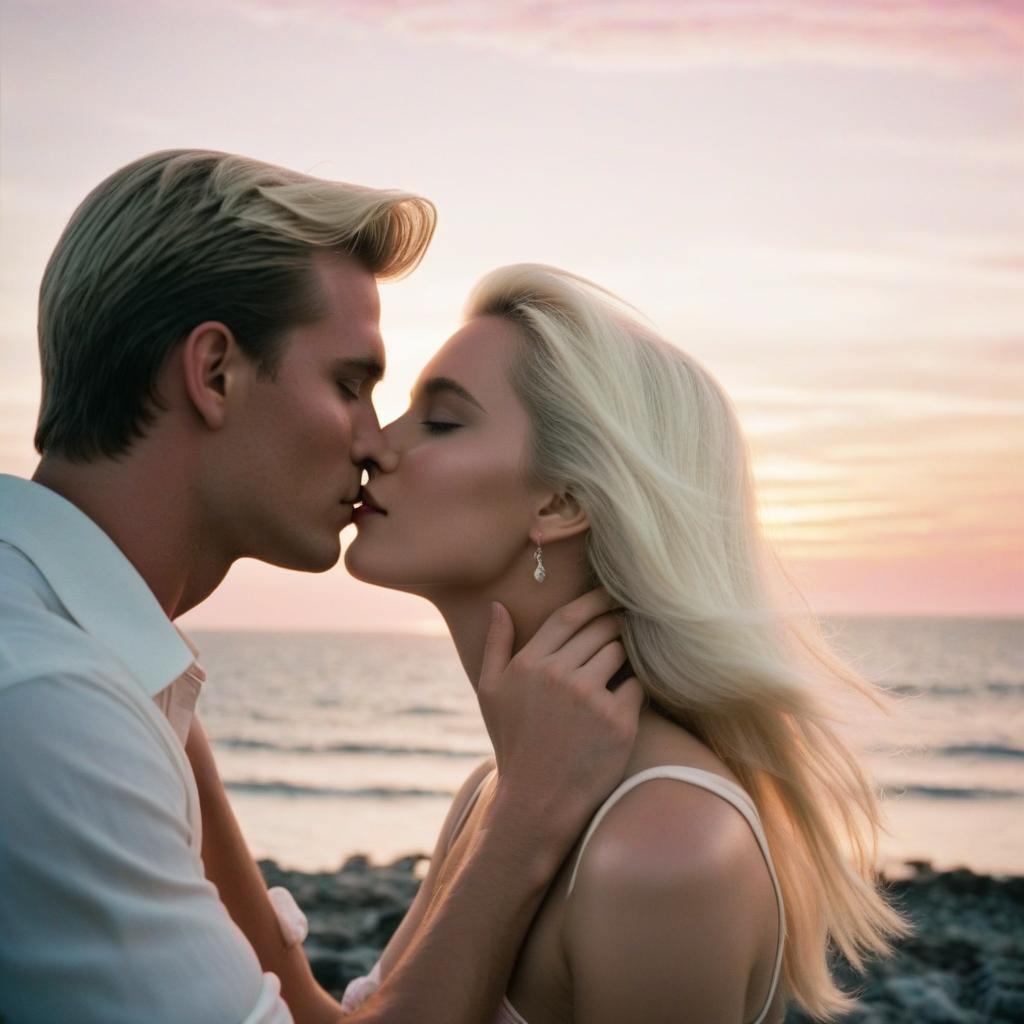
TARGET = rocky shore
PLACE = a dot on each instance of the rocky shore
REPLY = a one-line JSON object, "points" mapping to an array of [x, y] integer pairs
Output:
{"points": [[964, 964]]}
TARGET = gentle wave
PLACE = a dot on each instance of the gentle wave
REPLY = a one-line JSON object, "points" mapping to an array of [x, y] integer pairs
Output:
{"points": [[953, 792], [278, 788], [995, 751], [241, 743], [992, 687]]}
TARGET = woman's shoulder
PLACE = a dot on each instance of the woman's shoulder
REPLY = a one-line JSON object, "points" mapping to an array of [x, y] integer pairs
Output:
{"points": [[473, 780], [669, 831], [673, 829], [670, 907]]}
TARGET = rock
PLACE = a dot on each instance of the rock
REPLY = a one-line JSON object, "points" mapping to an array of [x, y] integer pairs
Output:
{"points": [[928, 998], [334, 970], [997, 989], [964, 964], [407, 864], [357, 862]]}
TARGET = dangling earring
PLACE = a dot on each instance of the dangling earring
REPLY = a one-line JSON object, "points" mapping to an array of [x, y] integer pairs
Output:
{"points": [[539, 573]]}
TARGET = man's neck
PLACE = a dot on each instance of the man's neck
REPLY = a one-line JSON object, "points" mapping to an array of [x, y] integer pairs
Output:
{"points": [[148, 512]]}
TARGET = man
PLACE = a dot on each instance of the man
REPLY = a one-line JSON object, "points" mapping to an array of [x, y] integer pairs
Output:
{"points": [[209, 337]]}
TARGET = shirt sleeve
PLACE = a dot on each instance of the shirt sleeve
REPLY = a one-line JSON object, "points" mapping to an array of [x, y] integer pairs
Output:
{"points": [[105, 914]]}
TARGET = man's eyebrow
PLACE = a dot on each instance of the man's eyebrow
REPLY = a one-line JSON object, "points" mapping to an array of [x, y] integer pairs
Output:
{"points": [[368, 367], [440, 385]]}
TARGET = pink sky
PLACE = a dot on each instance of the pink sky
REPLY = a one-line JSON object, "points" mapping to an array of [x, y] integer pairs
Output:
{"points": [[943, 34], [823, 202]]}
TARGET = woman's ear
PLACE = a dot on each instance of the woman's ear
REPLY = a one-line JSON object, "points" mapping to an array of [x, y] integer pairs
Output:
{"points": [[209, 362], [559, 518]]}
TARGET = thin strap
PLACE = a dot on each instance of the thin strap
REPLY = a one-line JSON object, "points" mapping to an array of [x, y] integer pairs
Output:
{"points": [[464, 813], [732, 794]]}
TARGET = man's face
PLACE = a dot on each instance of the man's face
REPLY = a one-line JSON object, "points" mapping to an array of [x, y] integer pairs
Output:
{"points": [[287, 469]]}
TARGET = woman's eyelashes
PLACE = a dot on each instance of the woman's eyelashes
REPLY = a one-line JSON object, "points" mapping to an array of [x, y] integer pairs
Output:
{"points": [[439, 427]]}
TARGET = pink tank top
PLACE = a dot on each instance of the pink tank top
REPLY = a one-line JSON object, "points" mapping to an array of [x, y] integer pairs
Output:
{"points": [[362, 988]]}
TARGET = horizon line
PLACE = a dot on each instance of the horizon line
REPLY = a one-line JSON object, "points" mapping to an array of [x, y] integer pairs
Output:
{"points": [[428, 631]]}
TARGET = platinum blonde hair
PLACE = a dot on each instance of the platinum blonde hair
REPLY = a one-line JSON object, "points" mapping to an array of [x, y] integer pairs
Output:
{"points": [[184, 236], [649, 445]]}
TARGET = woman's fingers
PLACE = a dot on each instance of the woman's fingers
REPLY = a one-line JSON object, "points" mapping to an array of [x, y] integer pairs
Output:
{"points": [[565, 622], [561, 739], [498, 646], [629, 695], [589, 641], [604, 665]]}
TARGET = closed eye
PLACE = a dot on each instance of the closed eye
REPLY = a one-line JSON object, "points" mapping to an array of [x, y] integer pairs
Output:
{"points": [[438, 427], [348, 390]]}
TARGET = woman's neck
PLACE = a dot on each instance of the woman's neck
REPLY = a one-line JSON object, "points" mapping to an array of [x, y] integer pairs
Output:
{"points": [[468, 613], [469, 617]]}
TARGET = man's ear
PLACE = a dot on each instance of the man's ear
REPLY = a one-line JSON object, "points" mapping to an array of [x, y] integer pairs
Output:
{"points": [[559, 518], [210, 363]]}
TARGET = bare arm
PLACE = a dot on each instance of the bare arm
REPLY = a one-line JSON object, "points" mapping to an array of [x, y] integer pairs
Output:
{"points": [[404, 933], [231, 868], [561, 742]]}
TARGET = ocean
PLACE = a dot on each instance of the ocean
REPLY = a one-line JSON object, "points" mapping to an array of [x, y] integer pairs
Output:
{"points": [[334, 744]]}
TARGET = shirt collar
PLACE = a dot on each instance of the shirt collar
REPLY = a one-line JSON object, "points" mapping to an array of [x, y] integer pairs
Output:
{"points": [[100, 588]]}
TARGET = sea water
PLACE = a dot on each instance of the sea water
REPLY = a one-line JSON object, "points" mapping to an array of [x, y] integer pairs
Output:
{"points": [[332, 744]]}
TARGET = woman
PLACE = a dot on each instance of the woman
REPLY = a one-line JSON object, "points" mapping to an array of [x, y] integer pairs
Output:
{"points": [[554, 444]]}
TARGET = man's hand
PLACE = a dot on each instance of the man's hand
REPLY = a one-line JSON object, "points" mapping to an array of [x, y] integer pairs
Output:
{"points": [[561, 737]]}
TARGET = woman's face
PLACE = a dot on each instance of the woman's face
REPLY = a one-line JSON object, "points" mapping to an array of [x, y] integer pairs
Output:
{"points": [[458, 507]]}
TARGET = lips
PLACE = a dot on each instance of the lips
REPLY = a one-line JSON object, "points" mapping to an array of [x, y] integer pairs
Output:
{"points": [[368, 501]]}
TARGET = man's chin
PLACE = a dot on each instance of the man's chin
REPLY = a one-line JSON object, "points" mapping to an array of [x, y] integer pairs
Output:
{"points": [[306, 559]]}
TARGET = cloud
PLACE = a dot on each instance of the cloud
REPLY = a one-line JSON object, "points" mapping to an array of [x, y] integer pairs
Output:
{"points": [[941, 34], [876, 467]]}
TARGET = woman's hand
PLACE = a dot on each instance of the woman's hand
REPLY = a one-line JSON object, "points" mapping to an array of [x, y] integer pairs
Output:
{"points": [[561, 737]]}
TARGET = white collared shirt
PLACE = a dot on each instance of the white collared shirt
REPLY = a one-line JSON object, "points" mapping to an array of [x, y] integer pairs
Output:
{"points": [[105, 913]]}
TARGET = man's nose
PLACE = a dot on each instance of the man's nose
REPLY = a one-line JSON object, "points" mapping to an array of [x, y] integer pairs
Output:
{"points": [[370, 444]]}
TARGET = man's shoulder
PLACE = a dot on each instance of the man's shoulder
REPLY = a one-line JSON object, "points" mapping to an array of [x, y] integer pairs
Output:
{"points": [[38, 648], [53, 671], [76, 741], [18, 573], [57, 678], [67, 706], [37, 636]]}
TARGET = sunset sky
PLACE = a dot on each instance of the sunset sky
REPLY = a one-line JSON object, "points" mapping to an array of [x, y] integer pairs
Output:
{"points": [[823, 202]]}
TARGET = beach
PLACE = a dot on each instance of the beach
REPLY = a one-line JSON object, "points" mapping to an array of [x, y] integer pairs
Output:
{"points": [[330, 743], [964, 964], [319, 763]]}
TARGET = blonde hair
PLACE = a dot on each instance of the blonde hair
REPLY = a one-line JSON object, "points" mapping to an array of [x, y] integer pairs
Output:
{"points": [[183, 236], [649, 445]]}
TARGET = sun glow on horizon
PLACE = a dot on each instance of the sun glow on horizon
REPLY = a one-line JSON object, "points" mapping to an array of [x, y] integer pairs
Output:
{"points": [[826, 214]]}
